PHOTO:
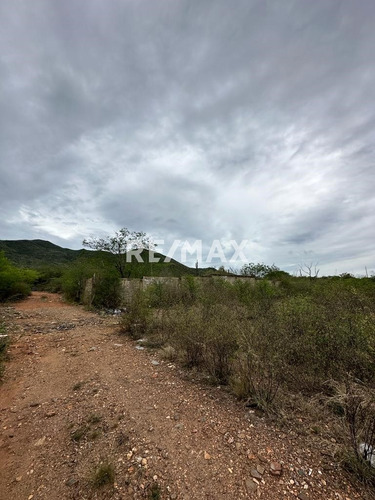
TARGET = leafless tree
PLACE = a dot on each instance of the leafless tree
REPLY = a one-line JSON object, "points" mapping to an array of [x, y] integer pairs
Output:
{"points": [[309, 270]]}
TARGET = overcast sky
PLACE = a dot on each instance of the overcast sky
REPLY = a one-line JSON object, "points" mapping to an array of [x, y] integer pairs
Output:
{"points": [[192, 120]]}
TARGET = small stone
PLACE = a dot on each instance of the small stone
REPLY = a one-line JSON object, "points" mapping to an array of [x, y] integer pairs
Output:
{"points": [[303, 496], [207, 456], [40, 441], [18, 478], [92, 349], [261, 469], [251, 486], [30, 497], [33, 405], [144, 461], [50, 414], [155, 363], [71, 481], [276, 468], [255, 474]]}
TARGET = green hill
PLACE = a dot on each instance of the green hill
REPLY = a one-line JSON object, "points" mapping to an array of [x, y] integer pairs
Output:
{"points": [[39, 254], [36, 253]]}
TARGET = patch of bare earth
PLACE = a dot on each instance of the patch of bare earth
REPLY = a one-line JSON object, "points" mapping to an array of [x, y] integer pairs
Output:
{"points": [[77, 394]]}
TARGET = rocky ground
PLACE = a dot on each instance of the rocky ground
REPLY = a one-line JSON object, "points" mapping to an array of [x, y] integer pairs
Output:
{"points": [[78, 396]]}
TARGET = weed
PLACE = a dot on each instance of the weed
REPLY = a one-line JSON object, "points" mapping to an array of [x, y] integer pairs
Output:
{"points": [[94, 434], [79, 433], [168, 353], [103, 475], [155, 492], [359, 467], [357, 401], [94, 419], [134, 322], [78, 386], [122, 438]]}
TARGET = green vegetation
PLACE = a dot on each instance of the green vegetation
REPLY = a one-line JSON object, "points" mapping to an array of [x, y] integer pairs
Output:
{"points": [[15, 283], [79, 433], [103, 475], [78, 386], [271, 342], [260, 270], [355, 402], [62, 270], [119, 245], [36, 253], [155, 492], [94, 419]]}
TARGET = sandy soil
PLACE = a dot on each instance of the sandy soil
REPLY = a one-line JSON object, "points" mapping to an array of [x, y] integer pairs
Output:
{"points": [[76, 393]]}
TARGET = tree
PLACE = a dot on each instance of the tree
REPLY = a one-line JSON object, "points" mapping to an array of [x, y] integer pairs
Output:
{"points": [[260, 270], [122, 242], [309, 270]]}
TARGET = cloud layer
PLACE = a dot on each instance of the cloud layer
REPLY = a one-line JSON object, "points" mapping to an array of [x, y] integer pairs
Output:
{"points": [[192, 120]]}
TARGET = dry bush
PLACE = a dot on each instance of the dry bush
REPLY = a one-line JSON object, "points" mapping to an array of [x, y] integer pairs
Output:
{"points": [[134, 322], [357, 404]]}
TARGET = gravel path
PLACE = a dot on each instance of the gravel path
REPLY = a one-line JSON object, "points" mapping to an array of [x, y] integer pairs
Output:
{"points": [[77, 394]]}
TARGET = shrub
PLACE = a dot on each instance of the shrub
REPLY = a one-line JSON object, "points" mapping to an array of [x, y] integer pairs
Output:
{"points": [[49, 279], [106, 290], [259, 366], [104, 474], [15, 283], [262, 336], [134, 321], [221, 325], [187, 334], [358, 403], [162, 295], [74, 280]]}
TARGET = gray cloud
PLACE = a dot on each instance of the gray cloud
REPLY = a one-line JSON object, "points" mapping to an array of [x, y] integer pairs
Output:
{"points": [[192, 120]]}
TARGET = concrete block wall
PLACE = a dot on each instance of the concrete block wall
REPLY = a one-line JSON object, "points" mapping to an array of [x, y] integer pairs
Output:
{"points": [[130, 285]]}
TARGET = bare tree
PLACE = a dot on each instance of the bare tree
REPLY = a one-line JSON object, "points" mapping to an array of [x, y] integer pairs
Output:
{"points": [[309, 270]]}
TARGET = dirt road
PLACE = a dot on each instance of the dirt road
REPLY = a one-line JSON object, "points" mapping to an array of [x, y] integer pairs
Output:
{"points": [[77, 394]]}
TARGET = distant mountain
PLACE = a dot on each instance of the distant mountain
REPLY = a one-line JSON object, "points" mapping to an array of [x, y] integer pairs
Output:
{"points": [[37, 254]]}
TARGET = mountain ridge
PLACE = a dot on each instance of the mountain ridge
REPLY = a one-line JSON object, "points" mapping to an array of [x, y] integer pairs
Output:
{"points": [[37, 254]]}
